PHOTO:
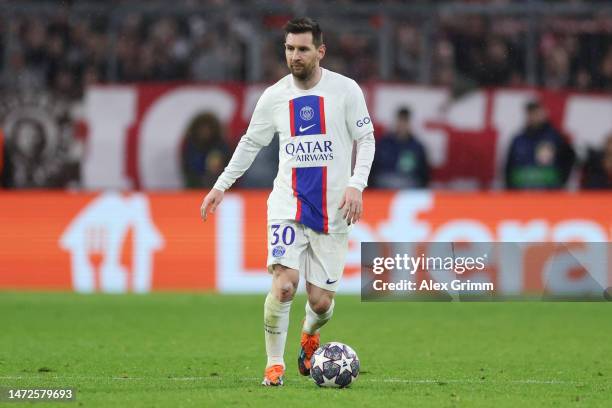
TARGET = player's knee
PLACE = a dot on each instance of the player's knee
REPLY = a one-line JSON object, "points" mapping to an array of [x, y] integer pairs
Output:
{"points": [[287, 290], [285, 284], [321, 305]]}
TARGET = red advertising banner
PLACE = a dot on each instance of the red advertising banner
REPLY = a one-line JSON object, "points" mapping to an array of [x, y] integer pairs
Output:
{"points": [[107, 242], [137, 242]]}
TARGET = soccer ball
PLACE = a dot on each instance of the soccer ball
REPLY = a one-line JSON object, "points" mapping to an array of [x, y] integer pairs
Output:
{"points": [[334, 365]]}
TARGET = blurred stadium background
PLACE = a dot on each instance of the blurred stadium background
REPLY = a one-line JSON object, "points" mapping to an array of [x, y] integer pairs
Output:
{"points": [[493, 123]]}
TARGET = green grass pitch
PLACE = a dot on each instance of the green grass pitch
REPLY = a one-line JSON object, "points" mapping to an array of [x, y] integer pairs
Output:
{"points": [[196, 350]]}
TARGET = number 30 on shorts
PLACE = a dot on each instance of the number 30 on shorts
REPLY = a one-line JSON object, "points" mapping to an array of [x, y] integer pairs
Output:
{"points": [[287, 234]]}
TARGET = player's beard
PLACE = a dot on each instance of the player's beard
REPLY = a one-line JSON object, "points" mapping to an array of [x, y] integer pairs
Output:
{"points": [[302, 72]]}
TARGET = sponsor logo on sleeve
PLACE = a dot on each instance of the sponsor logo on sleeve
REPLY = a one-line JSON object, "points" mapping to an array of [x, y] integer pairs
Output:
{"points": [[363, 122]]}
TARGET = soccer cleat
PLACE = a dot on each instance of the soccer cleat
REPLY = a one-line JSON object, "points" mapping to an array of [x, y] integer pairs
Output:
{"points": [[310, 344], [273, 376]]}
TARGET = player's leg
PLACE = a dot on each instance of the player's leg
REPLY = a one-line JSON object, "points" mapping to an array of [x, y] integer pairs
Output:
{"points": [[276, 320], [319, 308], [323, 269], [286, 245]]}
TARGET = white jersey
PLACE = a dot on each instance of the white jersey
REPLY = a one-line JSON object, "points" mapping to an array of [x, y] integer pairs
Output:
{"points": [[317, 128]]}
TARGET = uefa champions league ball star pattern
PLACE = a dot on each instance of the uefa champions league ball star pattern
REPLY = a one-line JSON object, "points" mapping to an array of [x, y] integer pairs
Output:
{"points": [[334, 365]]}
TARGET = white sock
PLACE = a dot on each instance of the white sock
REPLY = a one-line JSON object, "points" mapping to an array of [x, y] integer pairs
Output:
{"points": [[313, 322], [276, 322]]}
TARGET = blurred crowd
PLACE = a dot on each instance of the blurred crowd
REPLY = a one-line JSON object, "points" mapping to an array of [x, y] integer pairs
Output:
{"points": [[65, 51], [539, 157], [62, 52]]}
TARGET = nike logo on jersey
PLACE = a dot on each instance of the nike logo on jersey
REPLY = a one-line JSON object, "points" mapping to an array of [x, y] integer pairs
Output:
{"points": [[329, 282], [306, 128]]}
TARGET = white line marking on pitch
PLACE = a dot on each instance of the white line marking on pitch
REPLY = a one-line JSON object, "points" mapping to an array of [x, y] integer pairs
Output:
{"points": [[373, 380]]}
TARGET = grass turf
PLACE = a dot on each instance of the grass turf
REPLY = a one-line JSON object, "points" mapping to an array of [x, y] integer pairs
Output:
{"points": [[182, 350]]}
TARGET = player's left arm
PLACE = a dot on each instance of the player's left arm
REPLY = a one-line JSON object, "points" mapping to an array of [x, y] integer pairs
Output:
{"points": [[352, 202], [361, 130]]}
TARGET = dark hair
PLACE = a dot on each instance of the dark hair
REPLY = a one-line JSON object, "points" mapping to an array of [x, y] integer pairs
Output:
{"points": [[532, 105], [404, 113], [210, 120], [305, 25]]}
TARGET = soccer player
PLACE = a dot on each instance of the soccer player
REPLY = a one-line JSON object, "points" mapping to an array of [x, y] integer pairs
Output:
{"points": [[318, 115]]}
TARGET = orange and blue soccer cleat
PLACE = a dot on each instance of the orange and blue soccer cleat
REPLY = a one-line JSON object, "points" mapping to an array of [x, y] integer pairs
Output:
{"points": [[273, 376], [310, 344]]}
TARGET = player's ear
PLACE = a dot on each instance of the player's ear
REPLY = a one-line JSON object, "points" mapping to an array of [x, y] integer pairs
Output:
{"points": [[321, 50]]}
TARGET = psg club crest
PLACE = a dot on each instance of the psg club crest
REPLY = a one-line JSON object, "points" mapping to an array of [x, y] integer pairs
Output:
{"points": [[306, 113], [278, 251]]}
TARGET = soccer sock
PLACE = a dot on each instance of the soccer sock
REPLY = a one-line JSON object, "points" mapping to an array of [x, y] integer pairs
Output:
{"points": [[276, 322], [313, 321]]}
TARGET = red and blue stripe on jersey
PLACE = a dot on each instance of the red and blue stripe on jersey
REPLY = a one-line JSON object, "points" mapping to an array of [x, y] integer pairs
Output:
{"points": [[307, 117]]}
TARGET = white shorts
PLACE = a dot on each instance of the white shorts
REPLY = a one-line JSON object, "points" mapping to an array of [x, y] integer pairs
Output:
{"points": [[320, 257]]}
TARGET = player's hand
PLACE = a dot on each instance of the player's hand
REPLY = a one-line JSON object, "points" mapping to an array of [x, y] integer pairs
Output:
{"points": [[210, 203], [352, 204]]}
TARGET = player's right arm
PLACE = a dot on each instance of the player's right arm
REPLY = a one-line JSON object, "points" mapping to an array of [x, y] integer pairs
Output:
{"points": [[259, 134], [210, 203]]}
